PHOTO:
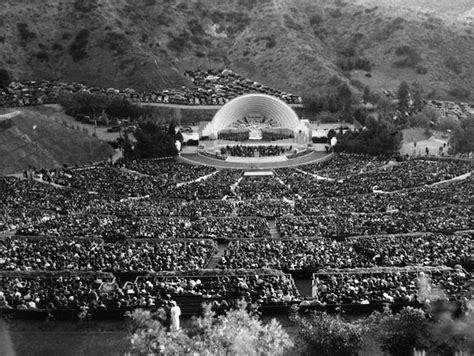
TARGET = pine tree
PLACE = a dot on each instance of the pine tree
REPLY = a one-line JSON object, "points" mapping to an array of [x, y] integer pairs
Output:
{"points": [[403, 96]]}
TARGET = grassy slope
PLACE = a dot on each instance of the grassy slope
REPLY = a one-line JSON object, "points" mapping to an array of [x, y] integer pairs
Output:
{"points": [[38, 140], [148, 44]]}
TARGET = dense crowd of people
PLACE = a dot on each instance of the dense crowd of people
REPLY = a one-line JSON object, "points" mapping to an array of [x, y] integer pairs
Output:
{"points": [[346, 164], [443, 219], [262, 188], [351, 212], [116, 228], [456, 193], [93, 291], [389, 285], [253, 151], [55, 291], [315, 253], [405, 175], [264, 288], [210, 88], [53, 254], [168, 170]]}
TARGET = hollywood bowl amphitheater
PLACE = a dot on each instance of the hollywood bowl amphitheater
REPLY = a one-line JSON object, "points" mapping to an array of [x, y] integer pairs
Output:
{"points": [[255, 131]]}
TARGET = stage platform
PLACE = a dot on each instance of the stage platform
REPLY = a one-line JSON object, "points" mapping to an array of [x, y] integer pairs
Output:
{"points": [[199, 159]]}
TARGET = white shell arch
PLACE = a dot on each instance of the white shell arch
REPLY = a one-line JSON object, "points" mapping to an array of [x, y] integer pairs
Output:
{"points": [[263, 104]]}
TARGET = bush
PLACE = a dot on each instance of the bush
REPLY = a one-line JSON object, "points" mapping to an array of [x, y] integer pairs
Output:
{"points": [[399, 333], [77, 49], [316, 19], [42, 56], [292, 24], [421, 70], [351, 63], [335, 13], [460, 93], [454, 64], [239, 332], [323, 139], [115, 42], [412, 58], [25, 34], [326, 335], [85, 5]]}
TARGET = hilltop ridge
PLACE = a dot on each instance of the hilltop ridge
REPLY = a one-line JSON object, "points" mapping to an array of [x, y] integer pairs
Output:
{"points": [[298, 46]]}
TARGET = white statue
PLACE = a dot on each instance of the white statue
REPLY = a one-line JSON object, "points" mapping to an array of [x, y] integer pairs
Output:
{"points": [[175, 314]]}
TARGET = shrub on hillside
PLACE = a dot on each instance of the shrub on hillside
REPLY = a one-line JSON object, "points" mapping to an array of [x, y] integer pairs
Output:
{"points": [[316, 19], [42, 56], [421, 70], [454, 64], [460, 93], [411, 60], [25, 34], [85, 5], [390, 28], [351, 63], [115, 42], [335, 13], [292, 24], [77, 49]]}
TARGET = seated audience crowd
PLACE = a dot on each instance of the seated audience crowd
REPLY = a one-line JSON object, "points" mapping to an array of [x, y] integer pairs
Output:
{"points": [[52, 254], [253, 151], [377, 220], [315, 253], [389, 285]]}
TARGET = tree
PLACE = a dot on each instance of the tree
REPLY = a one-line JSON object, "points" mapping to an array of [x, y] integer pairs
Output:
{"points": [[4, 77], [344, 97], [399, 333], [417, 94], [419, 120], [326, 335], [380, 137], [152, 141], [367, 95], [461, 139], [403, 96], [436, 330], [172, 128], [239, 332]]}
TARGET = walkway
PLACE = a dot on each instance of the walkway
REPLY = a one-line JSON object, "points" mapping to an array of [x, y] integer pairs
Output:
{"points": [[312, 157], [221, 248]]}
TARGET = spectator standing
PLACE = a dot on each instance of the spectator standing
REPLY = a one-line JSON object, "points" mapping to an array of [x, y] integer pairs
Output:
{"points": [[175, 314]]}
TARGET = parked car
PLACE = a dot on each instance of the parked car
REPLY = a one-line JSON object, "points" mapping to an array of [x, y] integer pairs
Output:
{"points": [[186, 129], [131, 128], [114, 129]]}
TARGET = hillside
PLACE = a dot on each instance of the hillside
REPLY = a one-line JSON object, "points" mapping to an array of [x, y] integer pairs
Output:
{"points": [[294, 45], [28, 138]]}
